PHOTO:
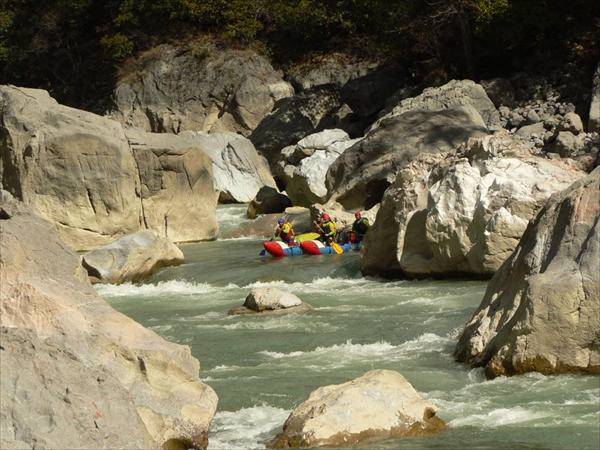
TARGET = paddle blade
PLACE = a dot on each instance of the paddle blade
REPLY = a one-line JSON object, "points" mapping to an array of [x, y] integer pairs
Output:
{"points": [[307, 237], [262, 253], [336, 248]]}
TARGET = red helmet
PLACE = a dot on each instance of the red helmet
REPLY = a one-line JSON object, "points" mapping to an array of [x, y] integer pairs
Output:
{"points": [[357, 215], [326, 216]]}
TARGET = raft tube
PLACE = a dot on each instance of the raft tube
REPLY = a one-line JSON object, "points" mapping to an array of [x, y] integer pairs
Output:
{"points": [[280, 249], [318, 248]]}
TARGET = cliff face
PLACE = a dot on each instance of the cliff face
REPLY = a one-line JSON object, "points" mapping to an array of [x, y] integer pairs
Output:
{"points": [[75, 372]]}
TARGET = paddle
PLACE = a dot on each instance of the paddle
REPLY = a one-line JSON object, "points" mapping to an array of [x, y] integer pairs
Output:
{"points": [[337, 248], [307, 237]]}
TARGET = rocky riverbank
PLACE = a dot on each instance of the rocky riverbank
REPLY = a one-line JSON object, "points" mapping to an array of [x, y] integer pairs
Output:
{"points": [[475, 180]]}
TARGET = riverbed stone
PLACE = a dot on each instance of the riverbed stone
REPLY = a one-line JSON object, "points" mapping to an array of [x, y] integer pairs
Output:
{"points": [[131, 258], [541, 311], [381, 404], [269, 301], [75, 372]]}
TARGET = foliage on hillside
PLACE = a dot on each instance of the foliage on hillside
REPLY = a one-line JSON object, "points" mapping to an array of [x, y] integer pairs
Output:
{"points": [[72, 47]]}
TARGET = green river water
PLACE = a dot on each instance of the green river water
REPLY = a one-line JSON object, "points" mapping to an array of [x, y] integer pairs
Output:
{"points": [[261, 367]]}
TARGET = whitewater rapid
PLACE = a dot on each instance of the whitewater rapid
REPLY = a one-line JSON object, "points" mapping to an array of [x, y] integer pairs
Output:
{"points": [[262, 367]]}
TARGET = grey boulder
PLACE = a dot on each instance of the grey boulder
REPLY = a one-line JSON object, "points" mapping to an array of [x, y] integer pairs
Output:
{"points": [[239, 171], [177, 192], [305, 184], [462, 213], [71, 167], [131, 258], [541, 311], [359, 177], [381, 404], [452, 94], [270, 301], [268, 200], [198, 87], [295, 118]]}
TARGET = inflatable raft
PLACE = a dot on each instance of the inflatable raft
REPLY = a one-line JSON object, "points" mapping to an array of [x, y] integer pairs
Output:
{"points": [[279, 249], [312, 247], [318, 248]]}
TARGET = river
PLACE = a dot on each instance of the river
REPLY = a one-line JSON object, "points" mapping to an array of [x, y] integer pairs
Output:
{"points": [[261, 367]]}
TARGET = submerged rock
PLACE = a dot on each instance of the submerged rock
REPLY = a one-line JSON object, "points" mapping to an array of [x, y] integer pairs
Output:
{"points": [[270, 301], [360, 176], [380, 404], [75, 372], [464, 213], [198, 87], [131, 258], [541, 311]]}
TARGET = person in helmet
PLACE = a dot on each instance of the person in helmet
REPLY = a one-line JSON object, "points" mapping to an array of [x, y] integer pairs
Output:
{"points": [[328, 229], [285, 231], [359, 227]]}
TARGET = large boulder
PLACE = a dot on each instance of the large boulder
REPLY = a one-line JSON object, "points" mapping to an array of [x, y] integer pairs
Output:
{"points": [[594, 117], [268, 200], [332, 68], [239, 171], [177, 188], [541, 311], [270, 301], [305, 183], [71, 167], [378, 405], [75, 372], [131, 258], [294, 118], [464, 213], [198, 87], [360, 176], [452, 94]]}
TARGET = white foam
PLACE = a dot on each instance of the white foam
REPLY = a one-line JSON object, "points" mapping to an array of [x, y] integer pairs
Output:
{"points": [[247, 428], [154, 290], [288, 324], [348, 351], [499, 417]]}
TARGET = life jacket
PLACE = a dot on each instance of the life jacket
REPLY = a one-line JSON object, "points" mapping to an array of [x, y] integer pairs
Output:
{"points": [[361, 226], [329, 228], [287, 232]]}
